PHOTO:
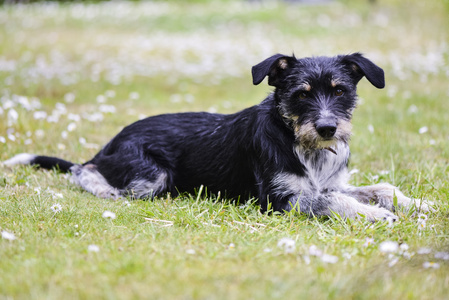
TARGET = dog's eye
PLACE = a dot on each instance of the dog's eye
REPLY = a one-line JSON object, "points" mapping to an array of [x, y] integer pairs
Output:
{"points": [[302, 95], [339, 92]]}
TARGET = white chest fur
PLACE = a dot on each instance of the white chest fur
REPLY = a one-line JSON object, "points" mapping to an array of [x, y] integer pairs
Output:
{"points": [[325, 171]]}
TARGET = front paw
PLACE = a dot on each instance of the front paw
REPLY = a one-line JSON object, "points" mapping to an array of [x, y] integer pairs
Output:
{"points": [[376, 213]]}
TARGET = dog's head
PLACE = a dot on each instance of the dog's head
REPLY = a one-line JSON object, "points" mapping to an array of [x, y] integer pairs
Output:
{"points": [[316, 96]]}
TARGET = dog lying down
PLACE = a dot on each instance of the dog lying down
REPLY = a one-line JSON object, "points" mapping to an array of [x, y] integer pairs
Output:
{"points": [[291, 150]]}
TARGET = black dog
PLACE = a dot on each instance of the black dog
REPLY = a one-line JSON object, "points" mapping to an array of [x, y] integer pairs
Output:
{"points": [[291, 150]]}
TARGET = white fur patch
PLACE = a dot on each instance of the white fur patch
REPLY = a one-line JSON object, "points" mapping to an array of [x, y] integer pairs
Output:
{"points": [[20, 159], [285, 184], [325, 169], [325, 172], [349, 207], [92, 181], [144, 188]]}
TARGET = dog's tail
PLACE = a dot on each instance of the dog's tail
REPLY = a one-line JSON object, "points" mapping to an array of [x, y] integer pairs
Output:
{"points": [[45, 162]]}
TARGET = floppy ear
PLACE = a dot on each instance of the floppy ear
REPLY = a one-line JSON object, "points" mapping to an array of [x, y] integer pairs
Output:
{"points": [[361, 66], [276, 67]]}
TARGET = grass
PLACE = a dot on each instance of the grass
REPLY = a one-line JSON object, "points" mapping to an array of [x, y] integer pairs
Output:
{"points": [[150, 58]]}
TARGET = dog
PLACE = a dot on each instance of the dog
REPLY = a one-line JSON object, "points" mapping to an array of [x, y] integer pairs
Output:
{"points": [[290, 151]]}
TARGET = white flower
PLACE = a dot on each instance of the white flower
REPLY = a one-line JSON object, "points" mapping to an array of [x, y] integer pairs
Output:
{"points": [[393, 261], [368, 242], [108, 214], [104, 108], [314, 251], [13, 115], [56, 207], [2, 139], [8, 236], [101, 99], [110, 93], [432, 265], [57, 195], [422, 217], [306, 259], [191, 251], [69, 97], [231, 246], [93, 248], [371, 128], [347, 255], [134, 95], [40, 115], [388, 247], [39, 133], [422, 220], [413, 109], [424, 251], [423, 129], [287, 244], [331, 259], [74, 117], [442, 255], [71, 127], [403, 247]]}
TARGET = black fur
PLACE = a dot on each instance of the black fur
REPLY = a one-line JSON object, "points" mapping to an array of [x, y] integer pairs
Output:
{"points": [[252, 152]]}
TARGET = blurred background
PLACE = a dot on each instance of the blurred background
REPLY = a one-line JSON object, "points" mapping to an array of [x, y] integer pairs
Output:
{"points": [[67, 67]]}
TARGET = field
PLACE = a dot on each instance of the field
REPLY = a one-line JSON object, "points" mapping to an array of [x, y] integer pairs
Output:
{"points": [[73, 75]]}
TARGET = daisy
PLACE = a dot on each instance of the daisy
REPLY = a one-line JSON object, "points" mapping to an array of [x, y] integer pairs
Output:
{"points": [[422, 220], [330, 259], [108, 214], [8, 236], [56, 208], [93, 248], [389, 247], [430, 265], [287, 244]]}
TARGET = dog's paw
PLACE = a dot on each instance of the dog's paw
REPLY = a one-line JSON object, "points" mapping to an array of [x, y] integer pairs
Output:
{"points": [[108, 193], [375, 213]]}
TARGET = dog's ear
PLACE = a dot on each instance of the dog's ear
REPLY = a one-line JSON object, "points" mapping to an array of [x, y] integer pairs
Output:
{"points": [[361, 66], [276, 67]]}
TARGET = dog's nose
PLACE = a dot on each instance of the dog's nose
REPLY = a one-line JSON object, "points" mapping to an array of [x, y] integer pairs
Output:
{"points": [[326, 129]]}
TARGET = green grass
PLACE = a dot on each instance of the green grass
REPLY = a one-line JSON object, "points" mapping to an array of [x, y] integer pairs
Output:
{"points": [[193, 57]]}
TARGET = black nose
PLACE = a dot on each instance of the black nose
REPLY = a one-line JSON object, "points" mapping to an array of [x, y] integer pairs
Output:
{"points": [[326, 130]]}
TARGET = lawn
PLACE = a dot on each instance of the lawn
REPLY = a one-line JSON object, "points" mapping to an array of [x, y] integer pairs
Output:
{"points": [[72, 75]]}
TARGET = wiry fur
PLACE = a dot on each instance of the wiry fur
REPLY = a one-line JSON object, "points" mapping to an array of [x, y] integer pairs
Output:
{"points": [[291, 150]]}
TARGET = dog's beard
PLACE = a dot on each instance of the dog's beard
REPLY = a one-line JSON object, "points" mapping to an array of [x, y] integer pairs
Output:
{"points": [[308, 138]]}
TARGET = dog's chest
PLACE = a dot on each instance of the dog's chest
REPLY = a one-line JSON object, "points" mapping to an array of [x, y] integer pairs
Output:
{"points": [[324, 169]]}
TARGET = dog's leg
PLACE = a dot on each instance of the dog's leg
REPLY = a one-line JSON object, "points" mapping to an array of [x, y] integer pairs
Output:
{"points": [[289, 191], [342, 204], [91, 180], [383, 194]]}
